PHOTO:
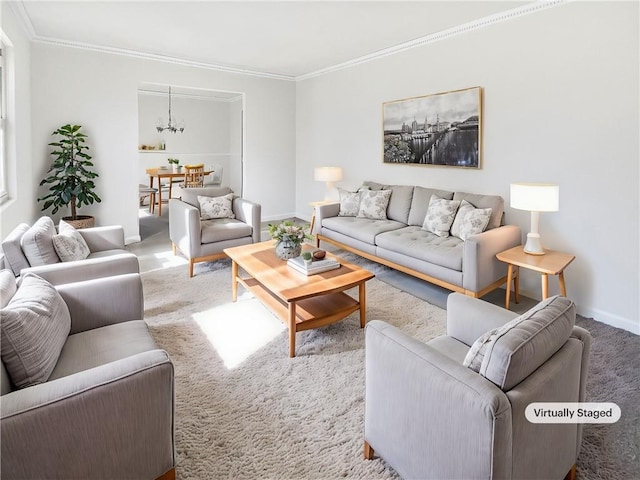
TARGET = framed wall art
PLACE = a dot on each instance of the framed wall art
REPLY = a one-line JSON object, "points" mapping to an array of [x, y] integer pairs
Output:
{"points": [[441, 129]]}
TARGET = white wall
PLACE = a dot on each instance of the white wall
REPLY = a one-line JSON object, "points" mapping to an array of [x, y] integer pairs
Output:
{"points": [[560, 105], [100, 92]]}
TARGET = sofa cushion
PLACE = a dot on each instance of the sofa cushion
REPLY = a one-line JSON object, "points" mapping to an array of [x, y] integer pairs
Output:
{"points": [[37, 243], [103, 345], [373, 204], [400, 202], [349, 203], [362, 229], [12, 248], [35, 326], [440, 215], [69, 244], [420, 244], [470, 220], [509, 354], [219, 229], [420, 203], [216, 207], [190, 195], [8, 287], [494, 202]]}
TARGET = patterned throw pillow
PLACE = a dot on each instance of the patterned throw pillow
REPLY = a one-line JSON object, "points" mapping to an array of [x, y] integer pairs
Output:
{"points": [[440, 215], [216, 207], [374, 203], [35, 326], [470, 220], [69, 244], [37, 243], [349, 203]]}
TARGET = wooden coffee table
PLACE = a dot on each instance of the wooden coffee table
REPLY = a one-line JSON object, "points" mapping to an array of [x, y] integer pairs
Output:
{"points": [[301, 302]]}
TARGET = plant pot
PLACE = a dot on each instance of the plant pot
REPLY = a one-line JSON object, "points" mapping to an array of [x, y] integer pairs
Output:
{"points": [[81, 221], [287, 250]]}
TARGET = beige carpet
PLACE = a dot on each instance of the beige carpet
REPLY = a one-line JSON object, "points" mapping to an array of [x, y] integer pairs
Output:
{"points": [[244, 409]]}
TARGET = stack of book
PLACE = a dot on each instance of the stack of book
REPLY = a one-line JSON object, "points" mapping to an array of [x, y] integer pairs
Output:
{"points": [[317, 266]]}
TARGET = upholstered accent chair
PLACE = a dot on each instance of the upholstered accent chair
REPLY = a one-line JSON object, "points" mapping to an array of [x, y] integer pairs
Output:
{"points": [[430, 416], [86, 393], [207, 220]]}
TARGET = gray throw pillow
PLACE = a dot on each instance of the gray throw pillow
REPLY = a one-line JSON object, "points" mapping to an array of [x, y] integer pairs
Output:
{"points": [[69, 244], [470, 220], [440, 215], [349, 203], [37, 243], [373, 204], [35, 326]]}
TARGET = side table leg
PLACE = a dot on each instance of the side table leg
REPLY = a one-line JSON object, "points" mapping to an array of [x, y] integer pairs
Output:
{"points": [[362, 298], [292, 329], [509, 280], [516, 285], [234, 281], [563, 286], [545, 286]]}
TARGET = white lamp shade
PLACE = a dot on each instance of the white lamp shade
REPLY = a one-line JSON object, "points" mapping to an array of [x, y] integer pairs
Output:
{"points": [[327, 174], [535, 197]]}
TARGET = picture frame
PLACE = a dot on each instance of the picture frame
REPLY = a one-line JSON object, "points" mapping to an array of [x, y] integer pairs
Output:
{"points": [[441, 129]]}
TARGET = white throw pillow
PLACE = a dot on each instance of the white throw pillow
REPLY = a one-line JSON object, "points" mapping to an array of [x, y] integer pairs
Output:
{"points": [[69, 244], [349, 203], [37, 243], [374, 203], [35, 326], [216, 207], [440, 215], [470, 220]]}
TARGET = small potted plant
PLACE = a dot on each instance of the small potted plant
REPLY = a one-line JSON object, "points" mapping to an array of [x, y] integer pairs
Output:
{"points": [[70, 178], [308, 258], [175, 164]]}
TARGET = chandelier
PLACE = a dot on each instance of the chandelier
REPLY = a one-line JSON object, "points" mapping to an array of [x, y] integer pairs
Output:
{"points": [[172, 125]]}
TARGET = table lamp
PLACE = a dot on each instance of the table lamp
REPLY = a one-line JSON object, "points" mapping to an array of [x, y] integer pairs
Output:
{"points": [[329, 175], [535, 197]]}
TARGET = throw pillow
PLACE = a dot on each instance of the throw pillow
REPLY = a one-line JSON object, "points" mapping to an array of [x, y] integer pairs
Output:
{"points": [[216, 207], [37, 243], [69, 244], [373, 204], [470, 220], [13, 254], [349, 203], [8, 287], [440, 215], [35, 326]]}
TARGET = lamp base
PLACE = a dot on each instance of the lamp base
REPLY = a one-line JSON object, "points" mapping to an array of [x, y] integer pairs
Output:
{"points": [[533, 245]]}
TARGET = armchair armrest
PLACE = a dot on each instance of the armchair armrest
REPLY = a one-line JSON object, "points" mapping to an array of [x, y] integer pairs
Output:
{"points": [[249, 213], [103, 238], [421, 406], [87, 269], [481, 268], [123, 410], [103, 301], [184, 227], [468, 318], [325, 211]]}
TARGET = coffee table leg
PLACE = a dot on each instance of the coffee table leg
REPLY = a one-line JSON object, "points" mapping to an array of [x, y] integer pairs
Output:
{"points": [[363, 304], [234, 281], [292, 329]]}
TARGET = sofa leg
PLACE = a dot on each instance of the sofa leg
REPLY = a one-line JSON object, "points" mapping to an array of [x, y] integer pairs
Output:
{"points": [[191, 262], [571, 475], [174, 248], [170, 475], [368, 451]]}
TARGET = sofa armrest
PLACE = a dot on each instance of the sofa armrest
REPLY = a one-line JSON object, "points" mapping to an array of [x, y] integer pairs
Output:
{"points": [[421, 405], [184, 227], [325, 211], [468, 318], [87, 269], [123, 410], [249, 213], [103, 238], [103, 301], [481, 268]]}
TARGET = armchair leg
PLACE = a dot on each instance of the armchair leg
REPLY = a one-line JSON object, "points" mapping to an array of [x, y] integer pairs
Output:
{"points": [[191, 262], [368, 451], [170, 475], [571, 475], [174, 248]]}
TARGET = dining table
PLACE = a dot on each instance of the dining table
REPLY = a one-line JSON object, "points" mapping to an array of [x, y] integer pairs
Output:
{"points": [[164, 173]]}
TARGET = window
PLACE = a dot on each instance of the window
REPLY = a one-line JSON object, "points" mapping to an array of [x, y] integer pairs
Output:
{"points": [[3, 122]]}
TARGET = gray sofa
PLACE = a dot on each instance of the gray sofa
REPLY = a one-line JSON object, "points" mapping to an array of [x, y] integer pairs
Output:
{"points": [[430, 416], [107, 256], [400, 242], [205, 240], [96, 395]]}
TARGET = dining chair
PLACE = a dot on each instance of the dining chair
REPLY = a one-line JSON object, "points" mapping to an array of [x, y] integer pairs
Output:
{"points": [[214, 179], [193, 176]]}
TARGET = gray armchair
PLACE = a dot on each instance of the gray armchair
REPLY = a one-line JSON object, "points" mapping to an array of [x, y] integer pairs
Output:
{"points": [[107, 408], [204, 240], [429, 416]]}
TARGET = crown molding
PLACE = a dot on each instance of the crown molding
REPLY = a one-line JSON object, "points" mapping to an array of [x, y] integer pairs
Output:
{"points": [[210, 98], [439, 36]]}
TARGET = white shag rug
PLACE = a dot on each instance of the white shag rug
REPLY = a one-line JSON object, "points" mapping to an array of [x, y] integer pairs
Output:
{"points": [[244, 409]]}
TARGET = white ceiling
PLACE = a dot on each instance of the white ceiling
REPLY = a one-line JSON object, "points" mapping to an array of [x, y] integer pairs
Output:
{"points": [[288, 39]]}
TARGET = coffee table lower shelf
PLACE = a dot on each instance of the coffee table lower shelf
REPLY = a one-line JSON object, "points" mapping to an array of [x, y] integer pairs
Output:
{"points": [[308, 313]]}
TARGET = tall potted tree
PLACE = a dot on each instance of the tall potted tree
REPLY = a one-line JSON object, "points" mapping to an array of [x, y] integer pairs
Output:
{"points": [[70, 178]]}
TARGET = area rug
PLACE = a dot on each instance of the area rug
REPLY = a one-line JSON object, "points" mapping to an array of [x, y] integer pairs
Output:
{"points": [[245, 410]]}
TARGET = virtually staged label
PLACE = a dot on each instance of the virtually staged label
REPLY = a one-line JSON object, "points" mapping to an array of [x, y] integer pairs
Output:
{"points": [[572, 412]]}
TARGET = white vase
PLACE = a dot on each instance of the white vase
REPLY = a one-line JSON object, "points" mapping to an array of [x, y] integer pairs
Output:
{"points": [[287, 250]]}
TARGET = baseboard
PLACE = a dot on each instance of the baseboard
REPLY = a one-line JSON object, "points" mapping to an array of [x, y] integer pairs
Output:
{"points": [[282, 216], [610, 319], [132, 239]]}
